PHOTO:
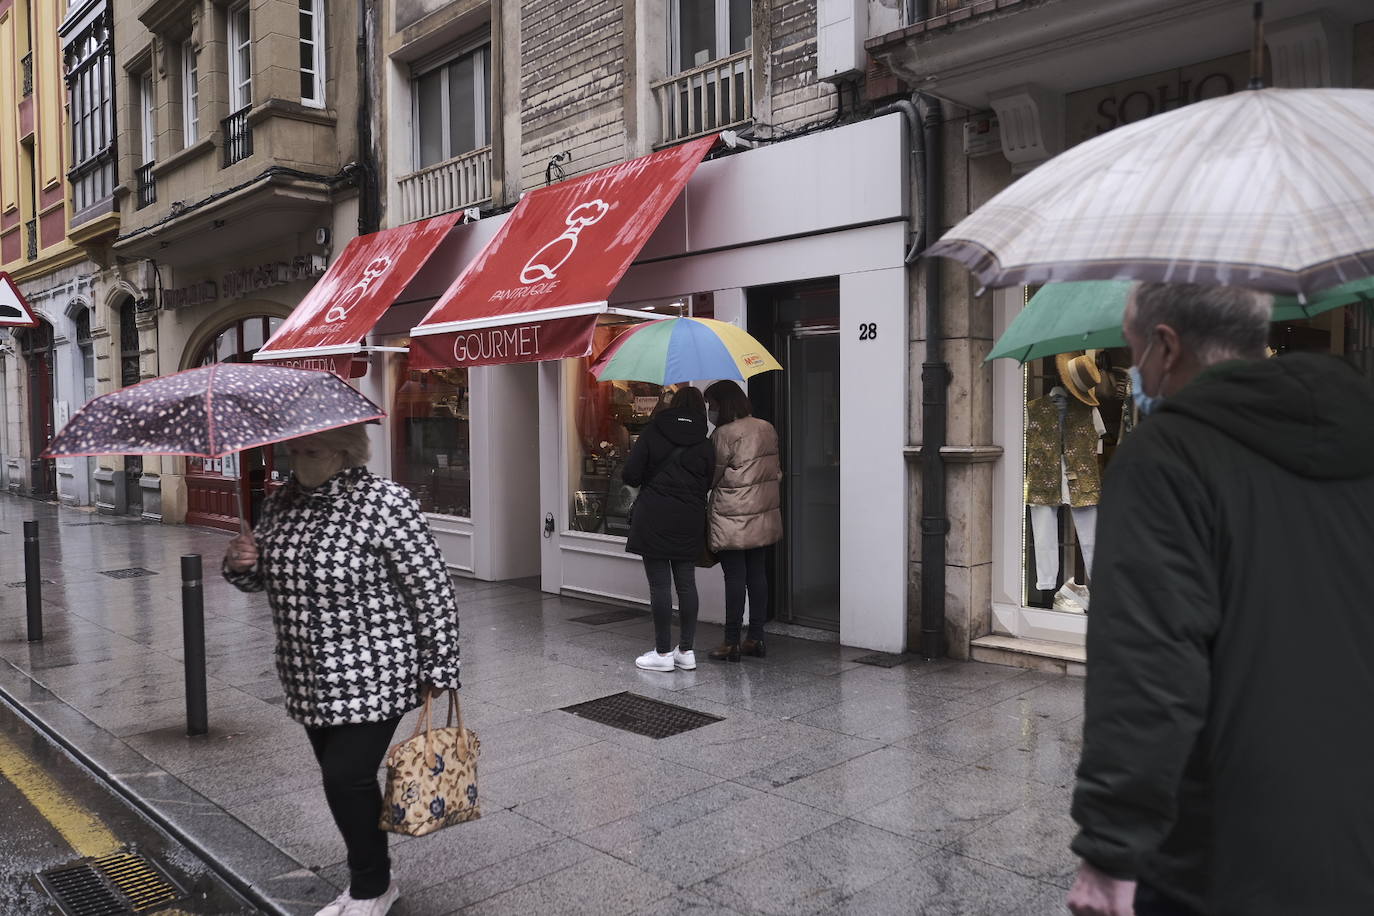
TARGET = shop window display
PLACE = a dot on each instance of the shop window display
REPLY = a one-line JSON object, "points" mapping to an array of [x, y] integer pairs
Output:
{"points": [[607, 420], [431, 438]]}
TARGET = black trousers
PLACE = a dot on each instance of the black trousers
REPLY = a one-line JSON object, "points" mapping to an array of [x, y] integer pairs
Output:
{"points": [[1150, 902], [662, 575], [349, 756], [745, 572]]}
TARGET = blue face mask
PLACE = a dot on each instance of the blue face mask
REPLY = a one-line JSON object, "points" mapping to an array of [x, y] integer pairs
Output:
{"points": [[1146, 404]]}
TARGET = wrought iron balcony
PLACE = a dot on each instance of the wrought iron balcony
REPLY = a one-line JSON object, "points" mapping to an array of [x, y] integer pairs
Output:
{"points": [[31, 240], [463, 181], [707, 98], [238, 137], [147, 186], [26, 70]]}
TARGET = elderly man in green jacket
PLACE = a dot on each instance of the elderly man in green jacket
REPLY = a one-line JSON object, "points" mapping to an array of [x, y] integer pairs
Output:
{"points": [[1228, 743]]}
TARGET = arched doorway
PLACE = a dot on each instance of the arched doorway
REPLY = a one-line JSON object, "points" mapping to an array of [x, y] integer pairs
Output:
{"points": [[216, 487], [36, 346]]}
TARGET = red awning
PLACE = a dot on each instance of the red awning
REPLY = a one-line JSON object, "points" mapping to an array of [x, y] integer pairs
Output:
{"points": [[329, 324], [536, 291]]}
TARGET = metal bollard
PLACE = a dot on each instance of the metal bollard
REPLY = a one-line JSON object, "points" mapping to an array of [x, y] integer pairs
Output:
{"points": [[33, 582], [193, 640]]}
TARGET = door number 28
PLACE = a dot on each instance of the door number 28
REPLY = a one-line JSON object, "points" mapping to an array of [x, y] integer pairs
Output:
{"points": [[868, 330]]}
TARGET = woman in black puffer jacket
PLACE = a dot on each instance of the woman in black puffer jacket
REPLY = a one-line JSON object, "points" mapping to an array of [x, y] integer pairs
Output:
{"points": [[673, 464]]}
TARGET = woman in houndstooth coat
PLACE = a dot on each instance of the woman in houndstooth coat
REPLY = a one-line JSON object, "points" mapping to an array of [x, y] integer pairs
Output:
{"points": [[366, 623]]}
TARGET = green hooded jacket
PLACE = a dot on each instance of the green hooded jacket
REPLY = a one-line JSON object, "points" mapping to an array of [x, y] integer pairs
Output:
{"points": [[1228, 750]]}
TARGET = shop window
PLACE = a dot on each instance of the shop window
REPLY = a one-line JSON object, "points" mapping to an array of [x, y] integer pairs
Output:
{"points": [[431, 452], [607, 419]]}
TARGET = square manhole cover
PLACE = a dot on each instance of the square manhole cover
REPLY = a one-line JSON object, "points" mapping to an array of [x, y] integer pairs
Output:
{"points": [[133, 572], [641, 715], [884, 659], [608, 617], [119, 883]]}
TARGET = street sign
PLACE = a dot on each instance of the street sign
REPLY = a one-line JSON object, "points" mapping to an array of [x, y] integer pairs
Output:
{"points": [[14, 311]]}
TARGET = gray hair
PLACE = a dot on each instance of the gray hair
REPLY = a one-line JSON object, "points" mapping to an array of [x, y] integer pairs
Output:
{"points": [[350, 440], [1216, 323]]}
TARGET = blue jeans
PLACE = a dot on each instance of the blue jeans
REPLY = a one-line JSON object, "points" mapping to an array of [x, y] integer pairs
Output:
{"points": [[662, 575]]}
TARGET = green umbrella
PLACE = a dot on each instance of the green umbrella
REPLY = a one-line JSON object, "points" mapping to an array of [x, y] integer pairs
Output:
{"points": [[1063, 317]]}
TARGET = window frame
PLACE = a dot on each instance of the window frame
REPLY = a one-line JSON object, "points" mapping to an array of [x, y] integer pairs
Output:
{"points": [[722, 37], [190, 94], [319, 50], [240, 83], [147, 119], [480, 50]]}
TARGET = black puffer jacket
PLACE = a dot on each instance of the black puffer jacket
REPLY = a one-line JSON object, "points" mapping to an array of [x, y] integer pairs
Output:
{"points": [[670, 512], [1228, 740]]}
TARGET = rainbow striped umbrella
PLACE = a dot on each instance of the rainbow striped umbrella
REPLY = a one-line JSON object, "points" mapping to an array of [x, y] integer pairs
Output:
{"points": [[678, 350]]}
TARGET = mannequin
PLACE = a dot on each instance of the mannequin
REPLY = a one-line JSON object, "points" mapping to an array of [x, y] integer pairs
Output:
{"points": [[1064, 433]]}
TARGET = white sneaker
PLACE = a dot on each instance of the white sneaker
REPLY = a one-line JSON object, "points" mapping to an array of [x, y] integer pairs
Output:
{"points": [[687, 661], [336, 908], [652, 661], [1072, 597], [377, 906]]}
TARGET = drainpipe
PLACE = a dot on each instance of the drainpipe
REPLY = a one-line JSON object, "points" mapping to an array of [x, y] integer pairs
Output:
{"points": [[925, 129], [935, 379], [369, 202]]}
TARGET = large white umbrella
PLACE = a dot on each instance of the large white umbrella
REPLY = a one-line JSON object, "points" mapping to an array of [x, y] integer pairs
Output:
{"points": [[1267, 188]]}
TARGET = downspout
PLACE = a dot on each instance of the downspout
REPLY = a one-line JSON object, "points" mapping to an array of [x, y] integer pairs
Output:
{"points": [[369, 198], [935, 379], [925, 129]]}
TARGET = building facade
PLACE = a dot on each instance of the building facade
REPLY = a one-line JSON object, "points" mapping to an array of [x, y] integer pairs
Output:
{"points": [[1015, 83], [52, 369], [240, 170]]}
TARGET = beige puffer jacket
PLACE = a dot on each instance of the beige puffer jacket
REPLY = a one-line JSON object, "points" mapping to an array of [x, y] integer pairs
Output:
{"points": [[746, 500]]}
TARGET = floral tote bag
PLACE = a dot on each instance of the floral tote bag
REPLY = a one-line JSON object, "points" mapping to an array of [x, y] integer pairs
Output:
{"points": [[431, 777]]}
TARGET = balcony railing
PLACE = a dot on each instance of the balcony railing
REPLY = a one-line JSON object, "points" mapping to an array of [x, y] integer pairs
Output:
{"points": [[705, 99], [26, 71], [147, 186], [448, 186], [238, 137], [31, 240]]}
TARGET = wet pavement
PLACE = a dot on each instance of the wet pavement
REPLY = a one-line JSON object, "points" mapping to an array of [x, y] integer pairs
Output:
{"points": [[828, 786], [57, 814]]}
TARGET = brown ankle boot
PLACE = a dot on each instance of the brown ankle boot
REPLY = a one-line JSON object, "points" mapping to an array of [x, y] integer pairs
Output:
{"points": [[726, 652], [754, 647]]}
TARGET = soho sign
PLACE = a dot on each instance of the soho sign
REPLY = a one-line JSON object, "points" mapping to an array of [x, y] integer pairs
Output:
{"points": [[1140, 104]]}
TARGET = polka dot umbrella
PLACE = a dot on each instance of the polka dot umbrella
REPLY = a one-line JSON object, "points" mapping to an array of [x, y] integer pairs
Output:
{"points": [[212, 411]]}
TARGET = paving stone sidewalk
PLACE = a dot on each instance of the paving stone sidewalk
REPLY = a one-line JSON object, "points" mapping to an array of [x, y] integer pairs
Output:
{"points": [[829, 786]]}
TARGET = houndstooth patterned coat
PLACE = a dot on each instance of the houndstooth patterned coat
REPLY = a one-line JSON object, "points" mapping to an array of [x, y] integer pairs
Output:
{"points": [[361, 599]]}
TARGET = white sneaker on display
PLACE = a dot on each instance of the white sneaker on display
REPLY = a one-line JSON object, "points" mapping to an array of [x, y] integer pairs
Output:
{"points": [[687, 661], [652, 661], [377, 906], [1072, 597]]}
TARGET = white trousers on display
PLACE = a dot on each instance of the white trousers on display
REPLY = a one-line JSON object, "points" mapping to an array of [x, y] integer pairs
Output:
{"points": [[1045, 528]]}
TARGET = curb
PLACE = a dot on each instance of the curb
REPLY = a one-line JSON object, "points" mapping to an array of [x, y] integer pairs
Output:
{"points": [[243, 884]]}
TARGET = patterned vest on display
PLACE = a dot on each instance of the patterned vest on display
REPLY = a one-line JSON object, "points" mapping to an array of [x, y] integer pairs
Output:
{"points": [[1043, 452]]}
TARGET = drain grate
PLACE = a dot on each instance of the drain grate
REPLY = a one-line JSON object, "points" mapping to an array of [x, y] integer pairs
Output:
{"points": [[608, 617], [641, 715], [133, 572], [111, 885], [84, 524], [884, 659], [23, 582]]}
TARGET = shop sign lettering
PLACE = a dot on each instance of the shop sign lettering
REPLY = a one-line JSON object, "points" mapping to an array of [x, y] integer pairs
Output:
{"points": [[1114, 111], [510, 344], [245, 280], [523, 292]]}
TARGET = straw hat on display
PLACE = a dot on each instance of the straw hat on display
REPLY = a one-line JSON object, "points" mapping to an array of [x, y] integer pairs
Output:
{"points": [[1080, 375]]}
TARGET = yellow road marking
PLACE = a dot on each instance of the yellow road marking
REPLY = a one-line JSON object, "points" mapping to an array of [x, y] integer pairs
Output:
{"points": [[84, 833]]}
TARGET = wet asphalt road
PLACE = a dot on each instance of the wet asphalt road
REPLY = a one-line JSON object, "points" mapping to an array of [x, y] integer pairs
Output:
{"points": [[53, 812]]}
